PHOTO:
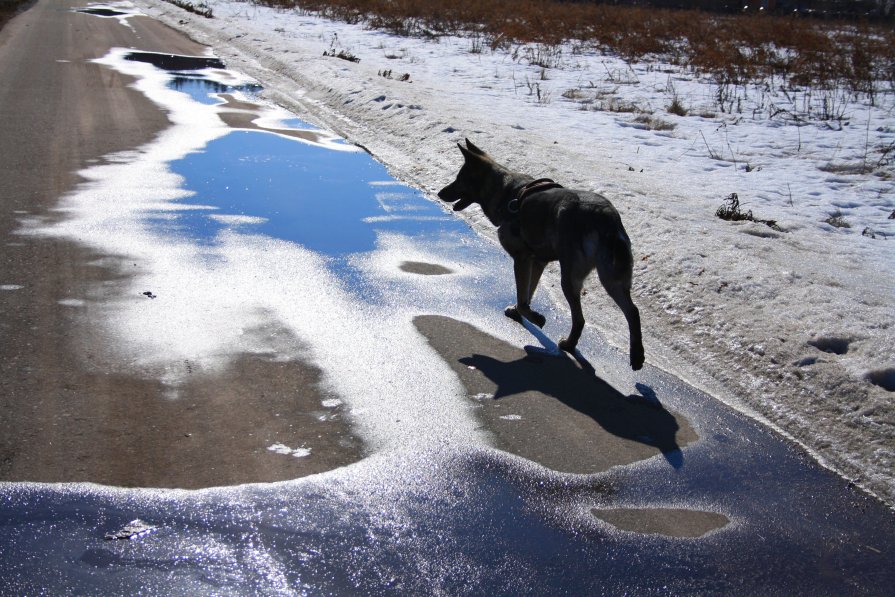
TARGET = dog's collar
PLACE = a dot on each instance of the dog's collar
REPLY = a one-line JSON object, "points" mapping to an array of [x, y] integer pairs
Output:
{"points": [[541, 184]]}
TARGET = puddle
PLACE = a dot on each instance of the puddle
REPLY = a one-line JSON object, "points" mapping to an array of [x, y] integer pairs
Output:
{"points": [[298, 192], [424, 269], [101, 12], [278, 176], [663, 521], [121, 11], [176, 62], [234, 229], [204, 90]]}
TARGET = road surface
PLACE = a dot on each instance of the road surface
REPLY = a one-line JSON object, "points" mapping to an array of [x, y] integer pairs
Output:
{"points": [[64, 420], [580, 487]]}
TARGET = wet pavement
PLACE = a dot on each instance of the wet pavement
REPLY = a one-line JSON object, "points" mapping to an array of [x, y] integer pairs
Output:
{"points": [[475, 458]]}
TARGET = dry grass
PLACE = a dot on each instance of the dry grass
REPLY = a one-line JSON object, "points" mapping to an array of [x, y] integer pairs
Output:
{"points": [[201, 9], [731, 212], [732, 49], [10, 8], [653, 123], [837, 220]]}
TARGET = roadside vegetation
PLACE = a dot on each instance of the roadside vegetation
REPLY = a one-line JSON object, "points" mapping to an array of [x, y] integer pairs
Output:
{"points": [[202, 9], [10, 8], [791, 70], [733, 49]]}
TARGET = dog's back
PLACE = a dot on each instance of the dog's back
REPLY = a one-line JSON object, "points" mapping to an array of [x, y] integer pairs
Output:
{"points": [[579, 225]]}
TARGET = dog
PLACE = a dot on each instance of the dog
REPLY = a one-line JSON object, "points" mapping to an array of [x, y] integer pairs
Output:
{"points": [[539, 221]]}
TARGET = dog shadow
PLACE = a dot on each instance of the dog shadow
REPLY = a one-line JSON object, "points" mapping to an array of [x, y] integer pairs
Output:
{"points": [[575, 383]]}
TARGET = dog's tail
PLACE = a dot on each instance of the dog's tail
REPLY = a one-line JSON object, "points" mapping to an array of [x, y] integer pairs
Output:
{"points": [[622, 251]]}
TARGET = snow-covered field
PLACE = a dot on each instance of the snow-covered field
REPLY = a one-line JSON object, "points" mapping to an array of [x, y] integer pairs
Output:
{"points": [[793, 325]]}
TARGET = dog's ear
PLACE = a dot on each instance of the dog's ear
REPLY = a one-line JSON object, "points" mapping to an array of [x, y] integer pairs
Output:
{"points": [[475, 149], [467, 155]]}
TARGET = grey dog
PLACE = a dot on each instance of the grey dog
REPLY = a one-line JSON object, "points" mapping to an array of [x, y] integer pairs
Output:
{"points": [[539, 221]]}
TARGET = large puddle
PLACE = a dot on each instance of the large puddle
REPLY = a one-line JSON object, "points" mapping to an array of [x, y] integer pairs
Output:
{"points": [[258, 180], [241, 218], [333, 203]]}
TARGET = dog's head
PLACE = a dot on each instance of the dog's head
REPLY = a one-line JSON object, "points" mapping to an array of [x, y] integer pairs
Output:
{"points": [[465, 190]]}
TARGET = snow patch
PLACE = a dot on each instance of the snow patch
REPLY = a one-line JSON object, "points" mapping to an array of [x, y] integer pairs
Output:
{"points": [[287, 451]]}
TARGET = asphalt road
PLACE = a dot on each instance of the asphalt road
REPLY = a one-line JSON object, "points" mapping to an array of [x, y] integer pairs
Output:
{"points": [[62, 419], [68, 418], [688, 493]]}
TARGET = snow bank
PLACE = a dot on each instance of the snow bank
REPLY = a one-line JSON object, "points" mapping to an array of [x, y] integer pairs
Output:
{"points": [[794, 326]]}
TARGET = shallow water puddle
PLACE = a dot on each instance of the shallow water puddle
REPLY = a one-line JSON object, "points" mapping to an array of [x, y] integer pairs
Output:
{"points": [[206, 91], [121, 11], [262, 182], [175, 62], [101, 12], [321, 199]]}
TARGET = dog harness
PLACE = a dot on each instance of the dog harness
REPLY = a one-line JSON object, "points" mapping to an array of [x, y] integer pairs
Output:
{"points": [[541, 184]]}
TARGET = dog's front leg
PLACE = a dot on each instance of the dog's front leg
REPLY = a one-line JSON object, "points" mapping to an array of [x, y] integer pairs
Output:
{"points": [[537, 269], [571, 288], [527, 272]]}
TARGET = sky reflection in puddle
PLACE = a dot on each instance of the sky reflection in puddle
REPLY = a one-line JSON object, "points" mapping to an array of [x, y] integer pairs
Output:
{"points": [[331, 202], [327, 201], [202, 89]]}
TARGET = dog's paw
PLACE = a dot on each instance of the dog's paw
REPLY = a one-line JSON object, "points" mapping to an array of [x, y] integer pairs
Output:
{"points": [[513, 313], [536, 318], [567, 346], [637, 360]]}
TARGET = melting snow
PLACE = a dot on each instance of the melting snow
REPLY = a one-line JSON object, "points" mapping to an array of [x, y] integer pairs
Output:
{"points": [[287, 451]]}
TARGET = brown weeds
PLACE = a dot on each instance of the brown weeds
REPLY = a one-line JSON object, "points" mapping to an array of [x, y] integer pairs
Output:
{"points": [[731, 212], [202, 10], [733, 49], [10, 8]]}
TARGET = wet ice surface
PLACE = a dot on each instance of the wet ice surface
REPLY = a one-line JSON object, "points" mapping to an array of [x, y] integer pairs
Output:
{"points": [[462, 521], [237, 227]]}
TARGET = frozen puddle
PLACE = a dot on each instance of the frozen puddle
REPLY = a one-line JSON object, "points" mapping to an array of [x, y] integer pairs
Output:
{"points": [[265, 239]]}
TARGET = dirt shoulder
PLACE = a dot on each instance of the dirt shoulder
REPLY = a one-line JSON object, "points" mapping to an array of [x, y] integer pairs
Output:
{"points": [[61, 418]]}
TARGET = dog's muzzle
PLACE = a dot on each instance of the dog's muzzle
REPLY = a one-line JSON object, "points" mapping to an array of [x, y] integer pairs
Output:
{"points": [[462, 204], [450, 194]]}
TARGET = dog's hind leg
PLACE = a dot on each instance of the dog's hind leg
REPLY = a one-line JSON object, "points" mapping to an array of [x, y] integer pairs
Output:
{"points": [[621, 294], [615, 275], [528, 273]]}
